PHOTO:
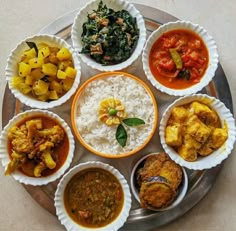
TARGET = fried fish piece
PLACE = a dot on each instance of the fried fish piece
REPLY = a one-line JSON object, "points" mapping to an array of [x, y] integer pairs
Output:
{"points": [[156, 195], [152, 167], [173, 173], [160, 165]]}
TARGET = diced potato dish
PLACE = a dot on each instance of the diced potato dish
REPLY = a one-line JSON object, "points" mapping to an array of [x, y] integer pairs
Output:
{"points": [[195, 130], [45, 73]]}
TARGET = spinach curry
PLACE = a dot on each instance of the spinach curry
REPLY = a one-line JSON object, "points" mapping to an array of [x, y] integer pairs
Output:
{"points": [[109, 36], [93, 198]]}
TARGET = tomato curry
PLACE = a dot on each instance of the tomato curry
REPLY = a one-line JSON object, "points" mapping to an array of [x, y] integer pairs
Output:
{"points": [[178, 59]]}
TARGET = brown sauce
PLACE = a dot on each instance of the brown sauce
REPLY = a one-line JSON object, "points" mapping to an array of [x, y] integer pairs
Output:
{"points": [[93, 198]]}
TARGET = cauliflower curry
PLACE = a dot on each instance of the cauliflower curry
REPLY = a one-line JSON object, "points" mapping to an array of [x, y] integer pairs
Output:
{"points": [[38, 146], [195, 130]]}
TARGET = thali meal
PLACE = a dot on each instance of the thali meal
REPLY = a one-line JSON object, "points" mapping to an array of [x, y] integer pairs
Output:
{"points": [[93, 197], [158, 179], [37, 145], [45, 72], [109, 37], [113, 114], [178, 59], [194, 130], [117, 119]]}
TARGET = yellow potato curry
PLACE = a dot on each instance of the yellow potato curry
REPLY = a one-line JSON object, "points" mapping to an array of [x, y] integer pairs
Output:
{"points": [[93, 198], [195, 130]]}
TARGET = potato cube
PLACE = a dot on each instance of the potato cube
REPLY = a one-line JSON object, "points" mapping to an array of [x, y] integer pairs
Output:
{"points": [[61, 74], [179, 114], [205, 149], [67, 84], [43, 52], [70, 72], [24, 88], [53, 95], [35, 62], [37, 73], [24, 69], [64, 64], [29, 80], [63, 54], [49, 69], [44, 97], [197, 129], [16, 80], [218, 137], [174, 135], [187, 153], [40, 87], [52, 58], [54, 85], [204, 113], [187, 139], [29, 54]]}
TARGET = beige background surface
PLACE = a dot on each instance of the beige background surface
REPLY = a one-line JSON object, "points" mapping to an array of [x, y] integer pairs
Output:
{"points": [[19, 19]]}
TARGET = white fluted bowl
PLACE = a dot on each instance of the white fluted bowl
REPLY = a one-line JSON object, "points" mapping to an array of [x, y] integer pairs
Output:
{"points": [[61, 212], [210, 45], [5, 158], [81, 18], [219, 154], [12, 70], [181, 192]]}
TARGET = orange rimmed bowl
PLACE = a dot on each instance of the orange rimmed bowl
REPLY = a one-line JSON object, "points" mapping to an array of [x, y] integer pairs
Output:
{"points": [[95, 135]]}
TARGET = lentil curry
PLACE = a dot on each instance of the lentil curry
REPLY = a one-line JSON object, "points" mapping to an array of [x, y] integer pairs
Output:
{"points": [[93, 198]]}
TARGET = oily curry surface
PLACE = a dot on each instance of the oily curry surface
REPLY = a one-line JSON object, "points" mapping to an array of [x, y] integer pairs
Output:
{"points": [[38, 146], [93, 198], [179, 59]]}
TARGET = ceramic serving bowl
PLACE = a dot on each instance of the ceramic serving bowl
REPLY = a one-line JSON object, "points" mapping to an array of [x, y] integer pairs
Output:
{"points": [[136, 100], [61, 210], [181, 190], [12, 71], [82, 17], [209, 44], [226, 121], [5, 152]]}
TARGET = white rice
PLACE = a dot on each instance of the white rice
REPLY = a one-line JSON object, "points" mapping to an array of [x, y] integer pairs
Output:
{"points": [[137, 102]]}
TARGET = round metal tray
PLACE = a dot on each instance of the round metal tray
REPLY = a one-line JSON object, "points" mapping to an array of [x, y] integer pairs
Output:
{"points": [[200, 182]]}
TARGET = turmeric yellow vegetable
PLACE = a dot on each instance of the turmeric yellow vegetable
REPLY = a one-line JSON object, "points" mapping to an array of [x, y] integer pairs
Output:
{"points": [[70, 72], [37, 73], [29, 54], [53, 95], [24, 88], [63, 54], [45, 72], [16, 80], [54, 85], [44, 52], [24, 69], [61, 74], [35, 62], [40, 87], [49, 69], [29, 80]]}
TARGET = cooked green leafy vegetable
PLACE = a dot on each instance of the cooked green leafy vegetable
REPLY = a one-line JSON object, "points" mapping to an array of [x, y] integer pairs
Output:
{"points": [[109, 36]]}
